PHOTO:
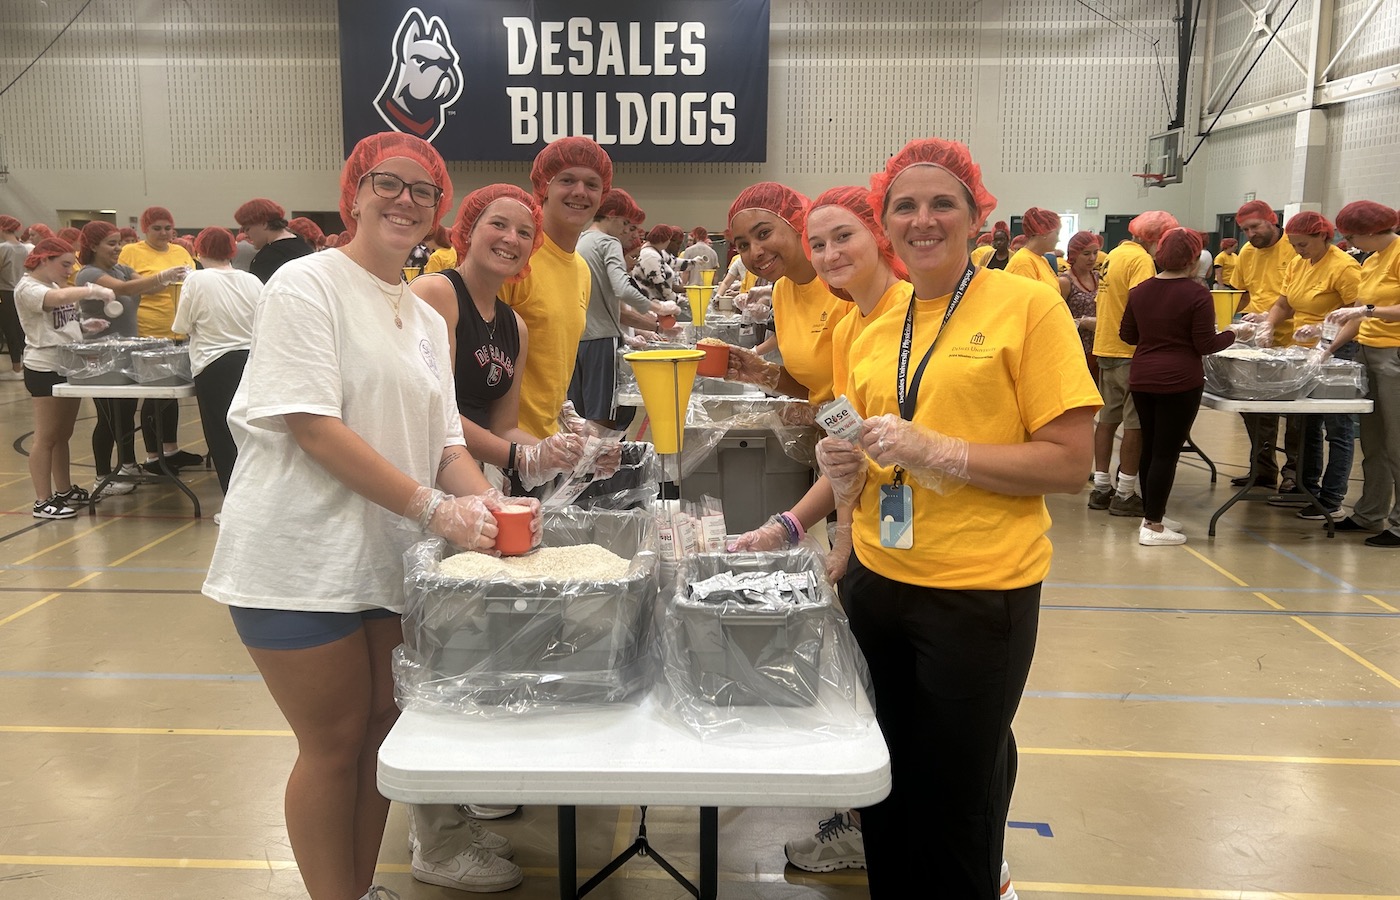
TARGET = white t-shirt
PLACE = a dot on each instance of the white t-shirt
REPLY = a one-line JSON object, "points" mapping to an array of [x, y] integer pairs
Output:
{"points": [[1205, 267], [324, 342], [45, 330], [216, 311], [705, 258]]}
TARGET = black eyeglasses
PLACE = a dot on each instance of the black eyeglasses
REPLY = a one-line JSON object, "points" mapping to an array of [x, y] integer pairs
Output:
{"points": [[389, 186]]}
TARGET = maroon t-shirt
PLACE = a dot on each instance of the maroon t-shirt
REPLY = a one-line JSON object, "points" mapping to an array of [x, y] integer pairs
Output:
{"points": [[1172, 323]]}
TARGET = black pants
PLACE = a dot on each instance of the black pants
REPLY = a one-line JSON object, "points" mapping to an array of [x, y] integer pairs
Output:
{"points": [[169, 412], [948, 668], [10, 327], [1166, 424], [214, 388], [116, 421]]}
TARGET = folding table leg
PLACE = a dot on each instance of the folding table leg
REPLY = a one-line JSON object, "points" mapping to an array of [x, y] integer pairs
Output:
{"points": [[568, 854], [709, 853]]}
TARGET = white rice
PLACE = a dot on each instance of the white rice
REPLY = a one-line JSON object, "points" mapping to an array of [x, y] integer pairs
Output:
{"points": [[586, 562]]}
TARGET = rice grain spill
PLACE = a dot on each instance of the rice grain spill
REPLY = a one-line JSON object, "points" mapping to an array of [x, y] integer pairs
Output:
{"points": [[586, 562]]}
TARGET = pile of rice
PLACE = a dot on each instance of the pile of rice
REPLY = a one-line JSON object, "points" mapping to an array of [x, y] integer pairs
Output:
{"points": [[585, 562], [713, 342], [1245, 353]]}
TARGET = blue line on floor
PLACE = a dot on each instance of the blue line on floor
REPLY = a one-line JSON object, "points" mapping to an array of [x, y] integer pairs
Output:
{"points": [[1306, 613], [131, 676], [1303, 563], [1040, 828], [1222, 589], [1238, 701]]}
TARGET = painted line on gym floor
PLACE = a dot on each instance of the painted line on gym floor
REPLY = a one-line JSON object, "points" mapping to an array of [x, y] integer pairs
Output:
{"points": [[1299, 561], [133, 676], [1379, 602], [1134, 890], [1188, 610], [161, 591], [30, 608], [1198, 588], [1206, 757], [156, 570], [1319, 633], [170, 732], [25, 530], [1188, 698]]}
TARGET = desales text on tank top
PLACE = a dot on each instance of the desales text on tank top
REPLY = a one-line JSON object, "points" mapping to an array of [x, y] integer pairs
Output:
{"points": [[583, 47]]}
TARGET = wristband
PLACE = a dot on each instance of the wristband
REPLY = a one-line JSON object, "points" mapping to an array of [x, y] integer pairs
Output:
{"points": [[510, 462], [796, 525], [425, 515]]}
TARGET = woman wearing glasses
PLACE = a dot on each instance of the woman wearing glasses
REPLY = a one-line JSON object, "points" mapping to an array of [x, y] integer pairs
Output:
{"points": [[341, 468]]}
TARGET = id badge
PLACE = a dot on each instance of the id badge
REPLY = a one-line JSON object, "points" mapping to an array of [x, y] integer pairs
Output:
{"points": [[896, 516]]}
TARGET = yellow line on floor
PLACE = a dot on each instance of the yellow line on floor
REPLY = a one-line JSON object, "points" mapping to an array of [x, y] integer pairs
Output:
{"points": [[135, 553], [1381, 603], [30, 608], [136, 862], [174, 732], [1207, 757], [1132, 890]]}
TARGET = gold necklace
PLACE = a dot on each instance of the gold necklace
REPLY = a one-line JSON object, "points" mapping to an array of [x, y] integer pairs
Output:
{"points": [[393, 298]]}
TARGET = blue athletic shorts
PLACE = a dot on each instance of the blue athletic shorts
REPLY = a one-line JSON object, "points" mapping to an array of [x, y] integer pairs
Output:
{"points": [[292, 629]]}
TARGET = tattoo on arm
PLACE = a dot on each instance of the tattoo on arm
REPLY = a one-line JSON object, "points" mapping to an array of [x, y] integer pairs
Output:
{"points": [[448, 459]]}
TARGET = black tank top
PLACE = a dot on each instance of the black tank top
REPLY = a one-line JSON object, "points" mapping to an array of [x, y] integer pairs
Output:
{"points": [[486, 354], [991, 262]]}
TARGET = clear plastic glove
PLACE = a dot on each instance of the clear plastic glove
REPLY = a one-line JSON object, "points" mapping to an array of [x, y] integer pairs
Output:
{"points": [[636, 341], [840, 552], [935, 460], [96, 291], [844, 464], [94, 326], [465, 522], [1316, 356], [667, 308], [770, 535], [609, 460], [556, 454], [571, 421], [495, 500], [1244, 331], [748, 367], [1346, 314], [797, 414], [1255, 317], [1307, 334], [1263, 334], [172, 275]]}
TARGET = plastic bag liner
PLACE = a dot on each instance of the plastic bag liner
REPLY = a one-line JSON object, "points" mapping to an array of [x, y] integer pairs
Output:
{"points": [[497, 646], [633, 486], [162, 366], [1340, 379], [709, 418], [747, 654], [1246, 373], [104, 361]]}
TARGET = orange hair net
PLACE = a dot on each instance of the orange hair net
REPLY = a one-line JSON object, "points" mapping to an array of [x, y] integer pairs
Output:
{"points": [[10, 224], [1228, 244], [307, 230], [1255, 209], [568, 153], [778, 199], [856, 200], [1039, 221], [375, 149], [617, 202], [659, 234], [154, 214], [93, 233], [1081, 241], [1151, 225], [48, 248], [984, 239], [129, 234], [69, 234], [258, 211], [39, 231], [1366, 217], [215, 243], [1177, 249], [699, 233], [1018, 242], [1309, 222], [475, 203], [950, 156]]}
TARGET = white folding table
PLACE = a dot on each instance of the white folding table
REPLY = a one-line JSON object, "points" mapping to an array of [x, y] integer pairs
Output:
{"points": [[1303, 407], [175, 392], [626, 755]]}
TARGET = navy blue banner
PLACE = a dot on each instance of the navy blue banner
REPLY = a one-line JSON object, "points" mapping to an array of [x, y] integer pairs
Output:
{"points": [[652, 81]]}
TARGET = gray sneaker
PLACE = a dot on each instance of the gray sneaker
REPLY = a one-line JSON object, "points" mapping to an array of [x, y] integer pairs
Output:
{"points": [[1129, 507], [838, 844], [1100, 499]]}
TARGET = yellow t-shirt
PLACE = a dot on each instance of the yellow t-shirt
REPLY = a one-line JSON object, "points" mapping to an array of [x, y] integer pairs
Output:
{"points": [[980, 254], [1226, 261], [1316, 289], [1101, 264], [441, 261], [748, 281], [553, 302], [853, 325], [1129, 264], [1029, 264], [1009, 363], [804, 317], [156, 313], [1261, 272], [1380, 286]]}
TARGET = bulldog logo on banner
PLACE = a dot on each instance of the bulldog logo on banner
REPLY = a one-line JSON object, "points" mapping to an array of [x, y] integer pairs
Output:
{"points": [[425, 77]]}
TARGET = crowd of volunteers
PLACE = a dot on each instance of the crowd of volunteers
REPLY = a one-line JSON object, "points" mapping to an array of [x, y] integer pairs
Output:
{"points": [[348, 411]]}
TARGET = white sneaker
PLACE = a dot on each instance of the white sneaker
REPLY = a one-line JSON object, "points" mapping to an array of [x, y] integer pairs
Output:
{"points": [[1008, 890], [113, 488], [490, 841], [11, 375], [1164, 538], [838, 844], [473, 869], [379, 893], [482, 811], [217, 519]]}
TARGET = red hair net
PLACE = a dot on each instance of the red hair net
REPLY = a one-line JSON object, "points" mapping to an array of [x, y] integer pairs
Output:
{"points": [[1001, 226], [660, 234], [48, 248], [475, 203], [1018, 242], [154, 214], [1039, 221], [93, 233], [307, 230], [1366, 217], [984, 239], [567, 153], [258, 211], [856, 200], [1151, 225], [39, 231], [333, 240], [1309, 222], [1228, 244], [699, 233], [1255, 209], [1179, 248], [69, 234], [1081, 241], [215, 243], [951, 156], [778, 199], [617, 202], [377, 148], [10, 224], [129, 234]]}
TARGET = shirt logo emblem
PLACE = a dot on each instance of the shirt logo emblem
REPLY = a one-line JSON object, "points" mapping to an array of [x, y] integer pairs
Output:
{"points": [[978, 339]]}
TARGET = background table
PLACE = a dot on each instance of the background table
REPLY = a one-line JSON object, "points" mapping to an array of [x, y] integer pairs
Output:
{"points": [[174, 392], [1303, 407], [623, 755]]}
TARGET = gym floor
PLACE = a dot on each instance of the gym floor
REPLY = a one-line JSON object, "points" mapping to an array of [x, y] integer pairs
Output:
{"points": [[1213, 720]]}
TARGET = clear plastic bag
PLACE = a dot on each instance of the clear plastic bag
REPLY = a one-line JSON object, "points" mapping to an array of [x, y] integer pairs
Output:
{"points": [[505, 646], [107, 360], [633, 486], [1340, 379], [1248, 373], [162, 366]]}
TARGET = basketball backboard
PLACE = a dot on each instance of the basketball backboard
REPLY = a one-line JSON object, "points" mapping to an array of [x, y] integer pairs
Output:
{"points": [[1164, 158]]}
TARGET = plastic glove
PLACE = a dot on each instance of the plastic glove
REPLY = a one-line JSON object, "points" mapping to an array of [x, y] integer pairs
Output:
{"points": [[465, 522], [840, 552], [96, 291], [94, 326], [748, 367], [172, 275], [1244, 331], [770, 535], [844, 464], [538, 463], [636, 341], [1307, 334], [1346, 314], [1263, 334], [667, 308], [797, 414], [935, 460], [1255, 317], [495, 500], [571, 421], [609, 460]]}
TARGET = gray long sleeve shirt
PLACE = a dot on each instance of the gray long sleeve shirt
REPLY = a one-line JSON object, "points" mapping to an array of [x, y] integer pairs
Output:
{"points": [[610, 285]]}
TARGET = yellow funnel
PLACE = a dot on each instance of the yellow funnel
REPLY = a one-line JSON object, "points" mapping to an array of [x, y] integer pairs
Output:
{"points": [[1225, 304], [707, 277], [665, 378], [699, 301]]}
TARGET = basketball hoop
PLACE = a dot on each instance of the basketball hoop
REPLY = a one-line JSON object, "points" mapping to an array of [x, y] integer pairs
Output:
{"points": [[1150, 179]]}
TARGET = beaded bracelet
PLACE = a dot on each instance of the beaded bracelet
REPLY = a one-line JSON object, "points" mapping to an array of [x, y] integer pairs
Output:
{"points": [[425, 515]]}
